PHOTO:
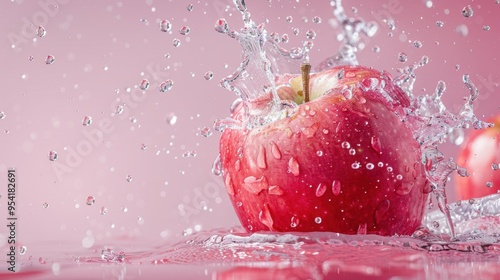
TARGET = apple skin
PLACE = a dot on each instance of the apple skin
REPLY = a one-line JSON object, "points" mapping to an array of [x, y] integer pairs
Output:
{"points": [[297, 173], [480, 150]]}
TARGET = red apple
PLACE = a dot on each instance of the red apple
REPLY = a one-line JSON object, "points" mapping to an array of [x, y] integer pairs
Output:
{"points": [[342, 162], [480, 154]]}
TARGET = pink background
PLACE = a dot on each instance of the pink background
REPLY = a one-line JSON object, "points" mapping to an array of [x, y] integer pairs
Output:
{"points": [[103, 48]]}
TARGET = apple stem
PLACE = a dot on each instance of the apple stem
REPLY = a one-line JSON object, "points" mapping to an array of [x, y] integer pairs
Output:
{"points": [[305, 68]]}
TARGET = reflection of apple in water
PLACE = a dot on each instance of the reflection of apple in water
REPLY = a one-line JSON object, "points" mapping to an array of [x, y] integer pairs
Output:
{"points": [[343, 162], [480, 154]]}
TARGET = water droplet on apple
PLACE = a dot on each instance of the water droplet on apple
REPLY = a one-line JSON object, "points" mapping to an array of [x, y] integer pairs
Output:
{"points": [[255, 185], [336, 187], [275, 190], [495, 166], [355, 165], [310, 130], [229, 184], [362, 229], [370, 166], [352, 152], [381, 210], [320, 190], [237, 165], [404, 188], [319, 153], [318, 220], [340, 74], [375, 143], [265, 217], [399, 177], [467, 11], [165, 25], [294, 221], [293, 166], [345, 145], [144, 85], [325, 131], [380, 164], [261, 158], [489, 184]]}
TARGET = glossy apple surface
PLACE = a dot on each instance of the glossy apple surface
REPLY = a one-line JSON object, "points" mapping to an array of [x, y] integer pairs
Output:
{"points": [[480, 154], [343, 162]]}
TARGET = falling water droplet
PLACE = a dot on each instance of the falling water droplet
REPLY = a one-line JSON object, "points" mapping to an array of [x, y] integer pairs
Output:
{"points": [[217, 166], [336, 187], [184, 30], [190, 7], [417, 44], [50, 59], [467, 11], [320, 190], [41, 31], [87, 120], [103, 210], [275, 151], [144, 85], [221, 26], [176, 42], [310, 34], [90, 200], [52, 155], [166, 86], [439, 23], [171, 119], [208, 75], [402, 57], [457, 136], [22, 250], [285, 38], [2, 115], [265, 217], [486, 28], [293, 166], [317, 20], [45, 205], [165, 25], [206, 132], [128, 178]]}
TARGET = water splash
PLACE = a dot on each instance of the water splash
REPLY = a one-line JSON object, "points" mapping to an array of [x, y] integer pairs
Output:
{"points": [[254, 82]]}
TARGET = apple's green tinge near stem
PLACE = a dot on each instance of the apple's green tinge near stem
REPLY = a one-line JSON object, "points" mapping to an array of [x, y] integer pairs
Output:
{"points": [[305, 68]]}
